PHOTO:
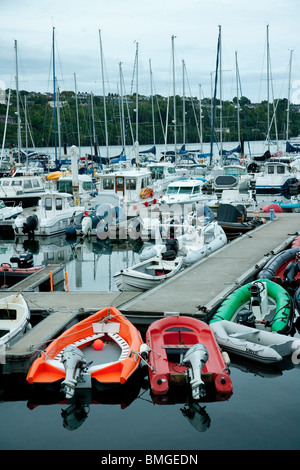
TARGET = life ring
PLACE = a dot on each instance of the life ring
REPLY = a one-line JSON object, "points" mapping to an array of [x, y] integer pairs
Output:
{"points": [[13, 171], [146, 192]]}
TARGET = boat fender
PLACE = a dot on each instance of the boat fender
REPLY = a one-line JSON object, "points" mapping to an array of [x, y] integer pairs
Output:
{"points": [[291, 271], [226, 357]]}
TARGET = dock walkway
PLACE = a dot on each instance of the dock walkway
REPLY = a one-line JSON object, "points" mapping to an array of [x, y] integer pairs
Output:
{"points": [[204, 284], [210, 280]]}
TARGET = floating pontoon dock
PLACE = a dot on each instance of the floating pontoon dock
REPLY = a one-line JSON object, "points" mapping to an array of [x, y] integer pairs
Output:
{"points": [[194, 291]]}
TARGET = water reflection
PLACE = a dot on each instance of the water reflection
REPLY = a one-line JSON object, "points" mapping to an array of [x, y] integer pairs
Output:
{"points": [[91, 263]]}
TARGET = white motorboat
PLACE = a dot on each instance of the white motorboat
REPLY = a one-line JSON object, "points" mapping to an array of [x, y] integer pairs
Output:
{"points": [[186, 191], [26, 190], [64, 183], [135, 189], [14, 317], [201, 242], [53, 215], [147, 274], [166, 173], [252, 343], [193, 244], [9, 212], [275, 178]]}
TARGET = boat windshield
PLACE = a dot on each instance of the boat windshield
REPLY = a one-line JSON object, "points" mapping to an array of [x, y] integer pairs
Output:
{"points": [[157, 172], [186, 190], [172, 190]]}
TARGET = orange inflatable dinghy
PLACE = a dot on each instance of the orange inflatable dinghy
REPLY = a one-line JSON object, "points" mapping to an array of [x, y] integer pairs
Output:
{"points": [[104, 347]]}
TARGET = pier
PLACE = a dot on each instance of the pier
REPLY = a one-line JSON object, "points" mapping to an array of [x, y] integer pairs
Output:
{"points": [[197, 290]]}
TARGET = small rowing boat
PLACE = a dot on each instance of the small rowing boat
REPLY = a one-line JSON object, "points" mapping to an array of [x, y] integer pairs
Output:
{"points": [[103, 349], [262, 303], [14, 317], [147, 274], [182, 348], [252, 343]]}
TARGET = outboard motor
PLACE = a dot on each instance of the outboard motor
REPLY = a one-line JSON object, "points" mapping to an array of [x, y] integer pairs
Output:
{"points": [[171, 249], [24, 260], [74, 361], [246, 317], [30, 225], [259, 299], [195, 358]]}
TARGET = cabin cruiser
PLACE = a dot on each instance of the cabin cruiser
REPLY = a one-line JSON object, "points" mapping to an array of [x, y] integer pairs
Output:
{"points": [[53, 215], [186, 191], [63, 183], [275, 178], [135, 188], [166, 172], [26, 190]]}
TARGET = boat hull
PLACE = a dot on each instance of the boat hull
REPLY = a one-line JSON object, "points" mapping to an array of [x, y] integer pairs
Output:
{"points": [[258, 345], [110, 365], [167, 339], [282, 321], [15, 316], [147, 274]]}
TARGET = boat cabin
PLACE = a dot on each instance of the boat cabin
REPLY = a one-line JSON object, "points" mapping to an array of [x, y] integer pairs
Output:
{"points": [[25, 189], [53, 202], [87, 188], [184, 191], [274, 177], [128, 184]]}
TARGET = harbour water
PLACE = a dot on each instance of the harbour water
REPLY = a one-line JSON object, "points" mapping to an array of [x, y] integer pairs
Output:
{"points": [[262, 413]]}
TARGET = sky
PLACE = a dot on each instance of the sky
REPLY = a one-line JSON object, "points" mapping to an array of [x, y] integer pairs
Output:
{"points": [[128, 26]]}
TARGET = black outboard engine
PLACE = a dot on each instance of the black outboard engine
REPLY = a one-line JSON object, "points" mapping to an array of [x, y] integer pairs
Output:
{"points": [[171, 249], [30, 225], [24, 260]]}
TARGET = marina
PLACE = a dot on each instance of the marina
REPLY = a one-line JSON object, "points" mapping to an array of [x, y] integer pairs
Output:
{"points": [[189, 293], [77, 279], [149, 230]]}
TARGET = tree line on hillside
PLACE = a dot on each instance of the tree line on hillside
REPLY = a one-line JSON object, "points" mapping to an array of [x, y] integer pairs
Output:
{"points": [[38, 120]]}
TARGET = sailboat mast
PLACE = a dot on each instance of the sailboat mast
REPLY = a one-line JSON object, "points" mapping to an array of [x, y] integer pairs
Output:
{"points": [[104, 98], [289, 94], [174, 101], [77, 115], [54, 93], [214, 101], [137, 94], [183, 102], [122, 107], [221, 109], [18, 103], [200, 119], [237, 97], [152, 104], [268, 90]]}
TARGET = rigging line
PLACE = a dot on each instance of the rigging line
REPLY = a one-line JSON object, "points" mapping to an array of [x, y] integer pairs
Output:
{"points": [[193, 106]]}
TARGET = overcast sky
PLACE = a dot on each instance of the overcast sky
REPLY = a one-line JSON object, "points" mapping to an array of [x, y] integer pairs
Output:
{"points": [[151, 24]]}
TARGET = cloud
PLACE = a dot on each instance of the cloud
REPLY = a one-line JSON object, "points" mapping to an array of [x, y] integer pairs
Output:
{"points": [[193, 22]]}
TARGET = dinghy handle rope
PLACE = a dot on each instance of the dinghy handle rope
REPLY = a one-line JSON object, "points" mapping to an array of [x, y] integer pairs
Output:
{"points": [[142, 358]]}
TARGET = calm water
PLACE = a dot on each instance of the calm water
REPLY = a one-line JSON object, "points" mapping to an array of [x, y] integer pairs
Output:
{"points": [[262, 413]]}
